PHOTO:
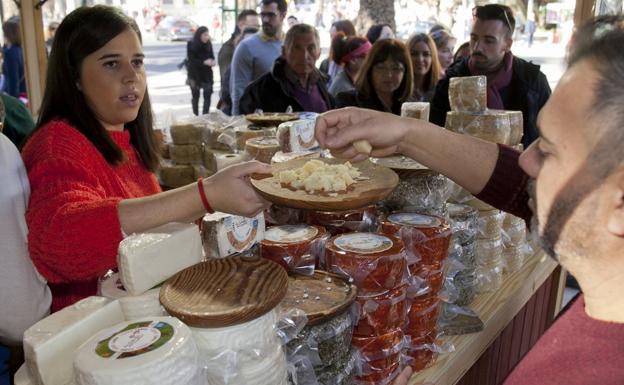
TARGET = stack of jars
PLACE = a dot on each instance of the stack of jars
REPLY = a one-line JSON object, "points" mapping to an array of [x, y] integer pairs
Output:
{"points": [[427, 240], [463, 221], [514, 237], [377, 265]]}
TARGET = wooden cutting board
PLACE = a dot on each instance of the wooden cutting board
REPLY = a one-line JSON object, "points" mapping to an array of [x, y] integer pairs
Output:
{"points": [[224, 292], [381, 181], [271, 118]]}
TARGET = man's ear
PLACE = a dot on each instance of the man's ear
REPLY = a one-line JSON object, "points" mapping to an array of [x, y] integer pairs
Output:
{"points": [[615, 203]]}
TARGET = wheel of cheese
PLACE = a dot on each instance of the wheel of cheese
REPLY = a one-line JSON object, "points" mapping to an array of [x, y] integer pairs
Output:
{"points": [[186, 153], [133, 306], [156, 350], [176, 175], [492, 126], [262, 148], [463, 220], [382, 313], [294, 247], [376, 263], [468, 93], [340, 222], [188, 133], [423, 317], [416, 110], [490, 224]]}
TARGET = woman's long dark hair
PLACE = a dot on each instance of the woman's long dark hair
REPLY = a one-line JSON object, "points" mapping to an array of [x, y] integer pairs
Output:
{"points": [[81, 33], [197, 36]]}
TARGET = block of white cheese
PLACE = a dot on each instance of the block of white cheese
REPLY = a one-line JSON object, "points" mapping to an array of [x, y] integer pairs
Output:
{"points": [[50, 344], [297, 136], [147, 259], [226, 234], [468, 93], [133, 306], [492, 126], [22, 377], [416, 110], [158, 351]]}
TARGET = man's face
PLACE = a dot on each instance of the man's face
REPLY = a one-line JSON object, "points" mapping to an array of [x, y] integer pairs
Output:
{"points": [[271, 18], [566, 200], [489, 41], [302, 54], [250, 21]]}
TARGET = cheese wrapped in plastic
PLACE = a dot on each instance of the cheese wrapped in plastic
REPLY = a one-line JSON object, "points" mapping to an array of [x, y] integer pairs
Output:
{"points": [[416, 110], [468, 93], [492, 126]]}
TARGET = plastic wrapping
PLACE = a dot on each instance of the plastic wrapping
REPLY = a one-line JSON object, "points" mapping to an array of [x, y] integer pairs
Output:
{"points": [[262, 148], [430, 280], [416, 110], [426, 238], [463, 220], [382, 313], [466, 284], [340, 222], [468, 93], [383, 377], [516, 123], [489, 252], [464, 254], [156, 350], [187, 154], [490, 278], [376, 263], [422, 317], [490, 126], [279, 215], [490, 224], [235, 137], [380, 347], [133, 307], [418, 189], [297, 248], [514, 235]]}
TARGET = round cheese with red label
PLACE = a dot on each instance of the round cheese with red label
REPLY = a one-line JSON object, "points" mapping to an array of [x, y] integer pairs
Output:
{"points": [[294, 247], [382, 313]]}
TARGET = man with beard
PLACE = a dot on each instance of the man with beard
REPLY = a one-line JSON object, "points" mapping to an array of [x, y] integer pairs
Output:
{"points": [[254, 56], [294, 80], [577, 172], [513, 83]]}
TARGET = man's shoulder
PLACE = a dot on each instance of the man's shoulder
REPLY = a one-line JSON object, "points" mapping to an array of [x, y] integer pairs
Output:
{"points": [[527, 70], [457, 69]]}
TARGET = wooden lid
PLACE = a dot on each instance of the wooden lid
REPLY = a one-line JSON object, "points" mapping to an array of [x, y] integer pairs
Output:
{"points": [[321, 296], [224, 292]]}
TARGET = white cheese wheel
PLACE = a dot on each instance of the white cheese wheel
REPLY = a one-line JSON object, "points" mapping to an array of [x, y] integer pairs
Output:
{"points": [[50, 344], [269, 369], [158, 351], [133, 306], [225, 234], [147, 259], [225, 160]]}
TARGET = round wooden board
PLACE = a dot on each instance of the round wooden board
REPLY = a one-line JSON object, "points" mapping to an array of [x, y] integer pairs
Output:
{"points": [[271, 118], [381, 182], [334, 294], [224, 292]]}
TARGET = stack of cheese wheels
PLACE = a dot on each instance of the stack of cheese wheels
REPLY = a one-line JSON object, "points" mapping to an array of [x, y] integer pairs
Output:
{"points": [[419, 189], [225, 234], [50, 344], [515, 243], [297, 248], [229, 303], [377, 265], [186, 153], [427, 240], [325, 341], [155, 350], [416, 110]]}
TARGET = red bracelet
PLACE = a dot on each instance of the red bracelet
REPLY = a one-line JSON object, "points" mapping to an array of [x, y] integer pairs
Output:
{"points": [[202, 195]]}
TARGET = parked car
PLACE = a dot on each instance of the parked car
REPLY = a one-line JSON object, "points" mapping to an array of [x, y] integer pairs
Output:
{"points": [[175, 28]]}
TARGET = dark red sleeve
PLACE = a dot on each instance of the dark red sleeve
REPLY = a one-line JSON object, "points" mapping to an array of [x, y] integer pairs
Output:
{"points": [[507, 188]]}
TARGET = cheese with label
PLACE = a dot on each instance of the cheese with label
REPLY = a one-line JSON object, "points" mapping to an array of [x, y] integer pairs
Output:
{"points": [[262, 149], [492, 126], [149, 258], [186, 153], [416, 110], [133, 306], [468, 93], [158, 351], [226, 234], [297, 136], [50, 344], [176, 175]]}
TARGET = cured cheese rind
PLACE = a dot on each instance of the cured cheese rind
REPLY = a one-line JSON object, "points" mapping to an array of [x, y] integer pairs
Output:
{"points": [[468, 93], [262, 148], [149, 258], [416, 110], [186, 154], [176, 175], [492, 126]]}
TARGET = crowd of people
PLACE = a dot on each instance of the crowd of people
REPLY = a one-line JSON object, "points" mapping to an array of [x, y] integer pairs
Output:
{"points": [[85, 175]]}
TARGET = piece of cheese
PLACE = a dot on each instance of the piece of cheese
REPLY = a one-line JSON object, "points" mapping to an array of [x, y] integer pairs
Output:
{"points": [[226, 234], [318, 176], [468, 93], [262, 149], [297, 136], [363, 147], [188, 133], [155, 350], [186, 153], [50, 344], [215, 161], [492, 126], [22, 377], [147, 259], [416, 110], [133, 306], [176, 175]]}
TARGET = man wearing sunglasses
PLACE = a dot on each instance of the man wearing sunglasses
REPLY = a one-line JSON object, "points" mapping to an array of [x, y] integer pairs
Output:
{"points": [[255, 56], [513, 83]]}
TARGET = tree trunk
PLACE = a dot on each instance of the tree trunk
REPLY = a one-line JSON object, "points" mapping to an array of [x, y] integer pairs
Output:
{"points": [[375, 12]]}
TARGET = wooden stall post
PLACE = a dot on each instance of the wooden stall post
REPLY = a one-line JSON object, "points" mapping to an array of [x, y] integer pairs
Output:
{"points": [[35, 54]]}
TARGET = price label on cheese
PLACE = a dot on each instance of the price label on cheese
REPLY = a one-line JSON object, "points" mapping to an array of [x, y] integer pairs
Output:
{"points": [[291, 233], [241, 232], [417, 220], [135, 339], [304, 132], [363, 243]]}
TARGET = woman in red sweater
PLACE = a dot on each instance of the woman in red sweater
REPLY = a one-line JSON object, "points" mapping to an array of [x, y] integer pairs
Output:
{"points": [[91, 159]]}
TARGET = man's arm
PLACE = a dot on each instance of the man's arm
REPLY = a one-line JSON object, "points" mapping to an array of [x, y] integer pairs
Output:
{"points": [[241, 76]]}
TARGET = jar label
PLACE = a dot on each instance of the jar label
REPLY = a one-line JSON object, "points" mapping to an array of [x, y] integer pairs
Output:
{"points": [[412, 219], [363, 243], [291, 233], [135, 339]]}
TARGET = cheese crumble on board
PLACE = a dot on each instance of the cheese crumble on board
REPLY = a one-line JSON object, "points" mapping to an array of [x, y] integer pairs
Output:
{"points": [[317, 176]]}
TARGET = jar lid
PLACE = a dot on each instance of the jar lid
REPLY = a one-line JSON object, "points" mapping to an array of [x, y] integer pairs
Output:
{"points": [[321, 296], [224, 292], [291, 233], [415, 220]]}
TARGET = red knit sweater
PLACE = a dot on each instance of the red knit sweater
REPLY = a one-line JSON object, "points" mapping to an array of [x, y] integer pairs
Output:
{"points": [[73, 222]]}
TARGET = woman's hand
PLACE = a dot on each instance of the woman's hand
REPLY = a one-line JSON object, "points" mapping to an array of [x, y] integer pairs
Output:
{"points": [[404, 377], [338, 129], [230, 191]]}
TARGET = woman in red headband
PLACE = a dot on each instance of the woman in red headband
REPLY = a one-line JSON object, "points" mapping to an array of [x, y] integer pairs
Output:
{"points": [[349, 52]]}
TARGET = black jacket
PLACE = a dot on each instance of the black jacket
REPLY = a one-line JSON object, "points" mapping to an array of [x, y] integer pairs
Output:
{"points": [[198, 72], [527, 92], [271, 92], [354, 99]]}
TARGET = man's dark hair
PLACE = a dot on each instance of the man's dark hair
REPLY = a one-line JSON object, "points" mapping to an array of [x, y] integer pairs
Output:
{"points": [[81, 33], [281, 4], [244, 13], [11, 30], [499, 12]]}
